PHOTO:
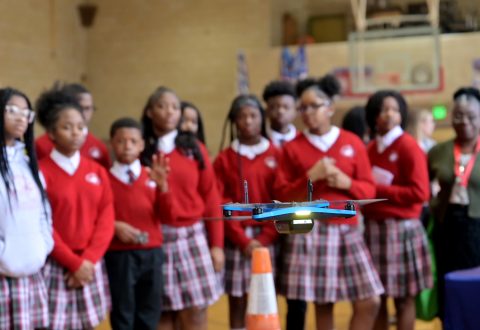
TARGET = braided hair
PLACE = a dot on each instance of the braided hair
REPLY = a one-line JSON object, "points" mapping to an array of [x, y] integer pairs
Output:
{"points": [[238, 103], [185, 141]]}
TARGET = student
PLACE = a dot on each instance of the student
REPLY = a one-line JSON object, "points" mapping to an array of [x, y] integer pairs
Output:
{"points": [[190, 260], [83, 218], [253, 158], [332, 263], [25, 225], [455, 166], [355, 122], [92, 147], [421, 127], [134, 260], [393, 232], [191, 121], [280, 98]]}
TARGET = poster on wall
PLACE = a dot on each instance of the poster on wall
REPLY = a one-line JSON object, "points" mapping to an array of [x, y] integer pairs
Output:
{"points": [[243, 85], [476, 73], [294, 65]]}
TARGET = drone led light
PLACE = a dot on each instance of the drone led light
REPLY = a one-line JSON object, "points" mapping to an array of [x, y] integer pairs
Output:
{"points": [[303, 213]]}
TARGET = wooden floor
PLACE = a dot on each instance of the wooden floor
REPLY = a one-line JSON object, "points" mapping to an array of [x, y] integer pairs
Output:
{"points": [[218, 317]]}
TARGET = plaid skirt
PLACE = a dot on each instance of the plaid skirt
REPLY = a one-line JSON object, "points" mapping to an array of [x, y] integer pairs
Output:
{"points": [[238, 270], [400, 253], [23, 302], [188, 274], [81, 308], [330, 264]]}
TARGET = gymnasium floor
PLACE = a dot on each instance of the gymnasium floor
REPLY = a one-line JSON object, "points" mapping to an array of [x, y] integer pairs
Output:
{"points": [[218, 317]]}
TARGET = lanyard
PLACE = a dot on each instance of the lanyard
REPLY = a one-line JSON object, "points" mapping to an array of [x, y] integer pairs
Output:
{"points": [[463, 172]]}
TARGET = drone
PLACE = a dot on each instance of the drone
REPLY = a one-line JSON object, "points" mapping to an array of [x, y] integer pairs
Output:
{"points": [[293, 217]]}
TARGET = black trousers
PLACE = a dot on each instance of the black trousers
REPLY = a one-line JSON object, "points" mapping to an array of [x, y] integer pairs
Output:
{"points": [[136, 283], [457, 246], [296, 314]]}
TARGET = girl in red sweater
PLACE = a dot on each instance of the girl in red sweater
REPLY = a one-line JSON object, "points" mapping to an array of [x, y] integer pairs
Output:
{"points": [[394, 234], [331, 263], [191, 259], [79, 191], [93, 147], [252, 157]]}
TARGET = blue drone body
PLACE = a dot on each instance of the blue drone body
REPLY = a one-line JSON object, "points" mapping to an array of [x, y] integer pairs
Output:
{"points": [[294, 217]]}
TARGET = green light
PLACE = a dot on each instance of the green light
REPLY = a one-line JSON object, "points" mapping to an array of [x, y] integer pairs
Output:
{"points": [[439, 112]]}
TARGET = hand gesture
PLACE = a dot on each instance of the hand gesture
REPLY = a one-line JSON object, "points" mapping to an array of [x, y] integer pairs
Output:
{"points": [[321, 169], [159, 171], [218, 258], [83, 275], [126, 233], [336, 178]]}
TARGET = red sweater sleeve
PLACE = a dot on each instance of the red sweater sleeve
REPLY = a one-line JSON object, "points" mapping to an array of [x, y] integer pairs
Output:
{"points": [[208, 190], [104, 224], [166, 204], [363, 185], [64, 255], [234, 231], [414, 173]]}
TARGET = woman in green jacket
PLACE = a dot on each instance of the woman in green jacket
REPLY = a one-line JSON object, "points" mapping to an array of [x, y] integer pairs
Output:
{"points": [[455, 175]]}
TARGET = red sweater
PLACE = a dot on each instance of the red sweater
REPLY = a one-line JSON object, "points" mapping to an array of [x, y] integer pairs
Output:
{"points": [[260, 174], [194, 195], [410, 186], [92, 148], [350, 156], [141, 205], [83, 215]]}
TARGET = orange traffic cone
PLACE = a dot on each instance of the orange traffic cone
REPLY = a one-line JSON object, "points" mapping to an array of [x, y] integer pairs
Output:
{"points": [[262, 312]]}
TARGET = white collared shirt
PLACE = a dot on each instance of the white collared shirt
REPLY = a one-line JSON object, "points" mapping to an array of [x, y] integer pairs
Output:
{"points": [[325, 141], [166, 143], [120, 171], [251, 151], [279, 138], [383, 142], [12, 151], [68, 164]]}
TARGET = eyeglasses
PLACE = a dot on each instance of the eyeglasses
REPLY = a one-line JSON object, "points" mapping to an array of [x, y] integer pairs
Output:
{"points": [[15, 111], [314, 106], [459, 118]]}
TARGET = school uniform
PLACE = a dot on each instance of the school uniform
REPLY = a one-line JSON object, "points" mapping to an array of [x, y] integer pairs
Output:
{"points": [[135, 270], [279, 139], [25, 241], [256, 164], [332, 262], [83, 218], [190, 280], [92, 148], [393, 231]]}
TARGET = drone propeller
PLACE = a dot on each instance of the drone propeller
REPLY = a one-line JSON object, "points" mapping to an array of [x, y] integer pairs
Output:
{"points": [[232, 218], [360, 202]]}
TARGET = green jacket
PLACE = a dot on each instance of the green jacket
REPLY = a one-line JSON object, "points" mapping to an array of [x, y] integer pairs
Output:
{"points": [[440, 167]]}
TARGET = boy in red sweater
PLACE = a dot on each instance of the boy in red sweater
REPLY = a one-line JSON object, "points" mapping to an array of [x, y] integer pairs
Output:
{"points": [[92, 147], [134, 259], [393, 231], [82, 211]]}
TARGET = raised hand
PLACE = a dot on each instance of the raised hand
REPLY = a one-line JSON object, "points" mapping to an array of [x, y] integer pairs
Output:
{"points": [[160, 170]]}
